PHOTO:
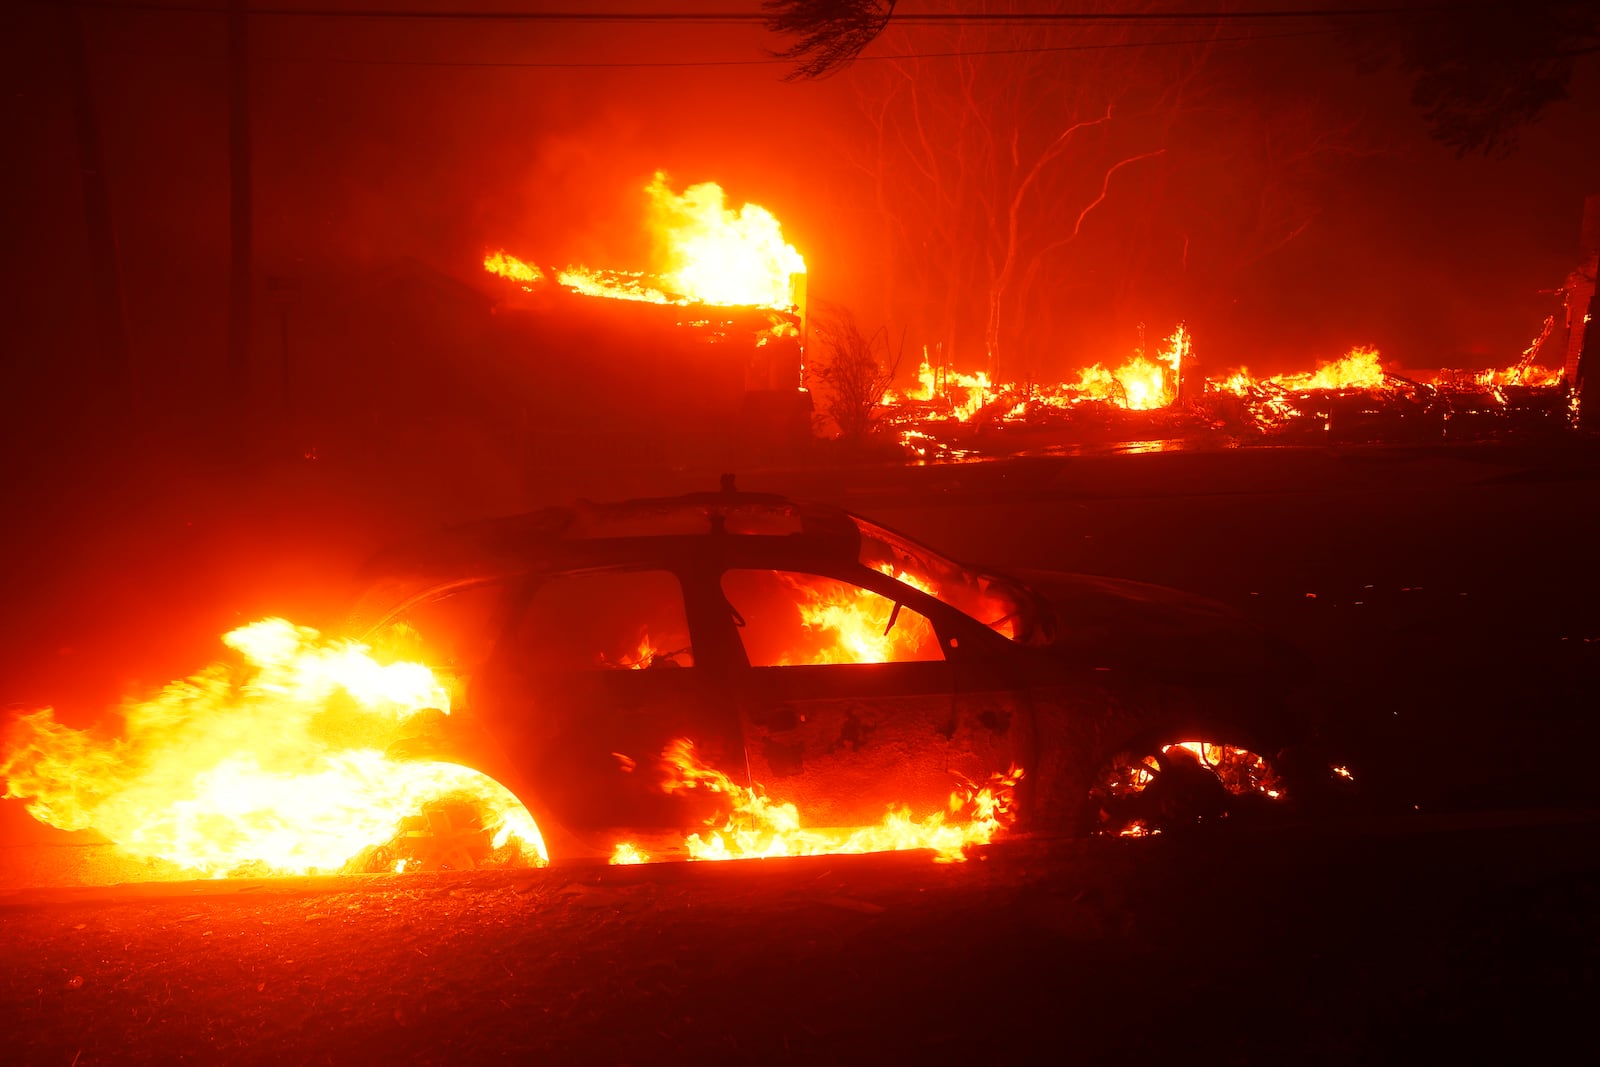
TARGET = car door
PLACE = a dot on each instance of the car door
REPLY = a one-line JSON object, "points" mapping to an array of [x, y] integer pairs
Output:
{"points": [[846, 700], [594, 681]]}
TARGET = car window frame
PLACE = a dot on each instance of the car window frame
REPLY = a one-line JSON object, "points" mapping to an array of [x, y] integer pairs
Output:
{"points": [[958, 634]]}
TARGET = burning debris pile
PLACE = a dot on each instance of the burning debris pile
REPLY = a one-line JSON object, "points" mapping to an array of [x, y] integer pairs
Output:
{"points": [[1353, 398], [950, 413]]}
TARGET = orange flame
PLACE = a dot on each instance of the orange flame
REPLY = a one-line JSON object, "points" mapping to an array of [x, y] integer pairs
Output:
{"points": [[1536, 377], [275, 766], [966, 393], [715, 254], [506, 265], [1140, 383], [759, 828], [710, 253], [1358, 369], [859, 626]]}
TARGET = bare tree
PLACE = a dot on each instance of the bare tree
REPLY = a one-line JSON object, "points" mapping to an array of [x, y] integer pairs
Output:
{"points": [[1033, 184], [850, 369], [991, 148]]}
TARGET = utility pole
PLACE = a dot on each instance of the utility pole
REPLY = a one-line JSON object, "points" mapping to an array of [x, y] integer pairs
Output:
{"points": [[105, 272], [240, 231]]}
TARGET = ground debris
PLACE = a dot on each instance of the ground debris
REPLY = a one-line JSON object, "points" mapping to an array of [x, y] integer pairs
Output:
{"points": [[864, 907]]}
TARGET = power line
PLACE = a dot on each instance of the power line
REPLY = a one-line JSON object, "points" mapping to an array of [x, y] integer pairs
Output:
{"points": [[779, 60], [725, 17]]}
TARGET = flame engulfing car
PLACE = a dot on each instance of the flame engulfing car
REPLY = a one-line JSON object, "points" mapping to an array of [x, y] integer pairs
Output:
{"points": [[833, 663]]}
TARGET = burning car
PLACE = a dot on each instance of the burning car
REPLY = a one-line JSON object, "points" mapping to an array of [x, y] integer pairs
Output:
{"points": [[633, 671]]}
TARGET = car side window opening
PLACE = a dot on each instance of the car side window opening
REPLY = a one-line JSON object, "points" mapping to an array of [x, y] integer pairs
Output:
{"points": [[791, 618], [605, 620], [993, 601]]}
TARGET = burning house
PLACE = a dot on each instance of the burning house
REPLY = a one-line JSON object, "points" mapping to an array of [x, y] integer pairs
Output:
{"points": [[701, 356]]}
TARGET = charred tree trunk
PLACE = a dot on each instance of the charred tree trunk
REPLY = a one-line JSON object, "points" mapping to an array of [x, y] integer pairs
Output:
{"points": [[105, 271]]}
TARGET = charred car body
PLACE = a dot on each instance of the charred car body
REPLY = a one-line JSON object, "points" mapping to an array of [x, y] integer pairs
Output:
{"points": [[827, 660]]}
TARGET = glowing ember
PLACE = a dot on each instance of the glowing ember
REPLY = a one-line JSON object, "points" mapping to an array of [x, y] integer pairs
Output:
{"points": [[277, 765], [1239, 770], [641, 657], [709, 253], [758, 827]]}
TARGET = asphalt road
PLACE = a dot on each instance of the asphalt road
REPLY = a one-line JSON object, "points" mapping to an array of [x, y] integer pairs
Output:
{"points": [[1392, 943]]}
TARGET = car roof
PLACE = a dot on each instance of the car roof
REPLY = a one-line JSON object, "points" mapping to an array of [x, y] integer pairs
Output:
{"points": [[586, 535]]}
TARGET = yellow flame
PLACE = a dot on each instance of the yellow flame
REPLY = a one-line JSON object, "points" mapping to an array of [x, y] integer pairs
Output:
{"points": [[1538, 377], [614, 285], [716, 254], [276, 765], [966, 393], [710, 253], [1358, 369], [627, 854], [506, 265], [855, 625], [761, 828]]}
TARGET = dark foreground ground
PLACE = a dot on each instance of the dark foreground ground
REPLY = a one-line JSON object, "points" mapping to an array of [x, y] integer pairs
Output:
{"points": [[1406, 943], [1444, 601]]}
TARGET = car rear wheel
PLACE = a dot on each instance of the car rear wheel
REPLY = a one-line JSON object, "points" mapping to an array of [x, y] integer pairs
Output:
{"points": [[1178, 786]]}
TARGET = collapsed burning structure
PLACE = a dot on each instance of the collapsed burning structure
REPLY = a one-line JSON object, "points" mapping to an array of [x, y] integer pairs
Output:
{"points": [[1158, 396], [630, 350], [706, 350], [1353, 398]]}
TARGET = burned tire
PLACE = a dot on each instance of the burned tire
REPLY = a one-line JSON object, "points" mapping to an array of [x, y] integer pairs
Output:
{"points": [[1180, 786]]}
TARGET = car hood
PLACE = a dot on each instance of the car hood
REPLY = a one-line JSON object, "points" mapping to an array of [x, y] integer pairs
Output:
{"points": [[1118, 623]]}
